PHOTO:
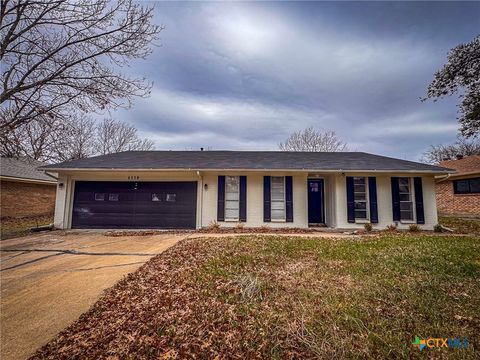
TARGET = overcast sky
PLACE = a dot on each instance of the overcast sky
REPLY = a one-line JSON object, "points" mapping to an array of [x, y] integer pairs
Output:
{"points": [[243, 76]]}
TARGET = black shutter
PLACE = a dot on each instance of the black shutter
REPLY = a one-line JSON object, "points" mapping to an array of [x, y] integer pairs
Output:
{"points": [[350, 200], [417, 181], [243, 198], [221, 199], [372, 192], [395, 199], [288, 198], [267, 211]]}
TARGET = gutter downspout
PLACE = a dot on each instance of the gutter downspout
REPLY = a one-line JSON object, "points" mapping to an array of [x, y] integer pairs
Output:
{"points": [[199, 174], [442, 178]]}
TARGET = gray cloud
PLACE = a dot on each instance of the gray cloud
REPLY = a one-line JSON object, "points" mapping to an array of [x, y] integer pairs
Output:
{"points": [[245, 75]]}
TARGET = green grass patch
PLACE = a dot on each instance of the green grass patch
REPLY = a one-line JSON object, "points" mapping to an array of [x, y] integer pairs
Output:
{"points": [[370, 296]]}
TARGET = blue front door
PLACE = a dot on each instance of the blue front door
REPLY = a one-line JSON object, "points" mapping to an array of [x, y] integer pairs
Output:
{"points": [[316, 209]]}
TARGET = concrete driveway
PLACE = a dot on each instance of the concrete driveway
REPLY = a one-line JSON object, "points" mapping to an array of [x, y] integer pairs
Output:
{"points": [[48, 280]]}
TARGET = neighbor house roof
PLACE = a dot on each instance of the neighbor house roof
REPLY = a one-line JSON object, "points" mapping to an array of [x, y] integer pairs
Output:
{"points": [[469, 165], [23, 170], [245, 160]]}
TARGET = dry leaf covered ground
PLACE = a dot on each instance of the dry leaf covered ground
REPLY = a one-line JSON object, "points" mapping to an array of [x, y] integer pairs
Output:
{"points": [[287, 297]]}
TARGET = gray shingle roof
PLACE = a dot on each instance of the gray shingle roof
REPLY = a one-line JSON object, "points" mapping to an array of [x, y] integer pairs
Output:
{"points": [[23, 169], [255, 160]]}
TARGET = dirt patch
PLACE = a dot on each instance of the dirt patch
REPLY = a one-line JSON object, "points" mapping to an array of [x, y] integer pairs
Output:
{"points": [[16, 227]]}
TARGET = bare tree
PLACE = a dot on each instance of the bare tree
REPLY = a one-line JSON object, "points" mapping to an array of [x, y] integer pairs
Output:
{"points": [[462, 146], [76, 141], [60, 58], [313, 140], [35, 139], [75, 138], [113, 136]]}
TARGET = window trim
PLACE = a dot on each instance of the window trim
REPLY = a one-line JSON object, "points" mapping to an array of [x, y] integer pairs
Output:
{"points": [[412, 200], [229, 219], [469, 192], [174, 199], [284, 219], [367, 201]]}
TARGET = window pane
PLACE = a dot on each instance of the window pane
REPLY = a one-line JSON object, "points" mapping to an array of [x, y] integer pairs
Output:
{"points": [[235, 196], [229, 204], [360, 214], [99, 196], [156, 197], [278, 205], [406, 215], [359, 180], [360, 205], [112, 197], [278, 214], [278, 198], [232, 197], [231, 214], [406, 206], [406, 203], [171, 197], [232, 183], [360, 196], [475, 185], [404, 181], [462, 186]]}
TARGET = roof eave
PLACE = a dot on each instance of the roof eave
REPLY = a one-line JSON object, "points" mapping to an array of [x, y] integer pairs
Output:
{"points": [[27, 180], [419, 171]]}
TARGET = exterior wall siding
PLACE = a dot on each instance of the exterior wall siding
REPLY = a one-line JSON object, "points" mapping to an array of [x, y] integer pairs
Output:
{"points": [[335, 197], [451, 204], [23, 199], [255, 201], [384, 195]]}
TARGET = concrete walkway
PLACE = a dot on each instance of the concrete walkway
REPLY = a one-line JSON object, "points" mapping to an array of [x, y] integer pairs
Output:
{"points": [[48, 280]]}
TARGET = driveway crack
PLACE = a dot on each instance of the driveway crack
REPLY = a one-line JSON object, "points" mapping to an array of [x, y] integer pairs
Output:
{"points": [[57, 252], [76, 252]]}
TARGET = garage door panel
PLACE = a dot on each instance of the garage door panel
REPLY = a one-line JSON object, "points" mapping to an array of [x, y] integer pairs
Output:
{"points": [[134, 205]]}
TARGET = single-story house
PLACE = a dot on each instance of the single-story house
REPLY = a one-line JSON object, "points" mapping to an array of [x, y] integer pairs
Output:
{"points": [[458, 194], [192, 189], [24, 190]]}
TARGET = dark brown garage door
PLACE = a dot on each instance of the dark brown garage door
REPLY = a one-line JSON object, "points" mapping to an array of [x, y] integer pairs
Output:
{"points": [[167, 205]]}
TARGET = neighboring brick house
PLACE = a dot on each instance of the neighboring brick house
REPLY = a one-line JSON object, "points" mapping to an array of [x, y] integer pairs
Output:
{"points": [[459, 193], [24, 190]]}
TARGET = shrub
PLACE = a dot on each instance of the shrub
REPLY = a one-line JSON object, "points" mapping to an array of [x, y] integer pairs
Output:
{"points": [[438, 228], [414, 228], [264, 228], [213, 226], [240, 226], [368, 227], [392, 227]]}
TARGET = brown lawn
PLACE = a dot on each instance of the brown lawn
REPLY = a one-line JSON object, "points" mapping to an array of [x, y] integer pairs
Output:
{"points": [[287, 297]]}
